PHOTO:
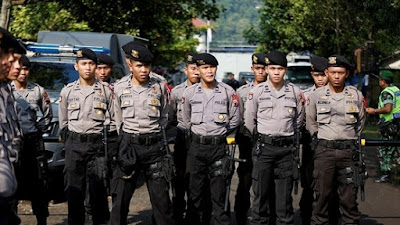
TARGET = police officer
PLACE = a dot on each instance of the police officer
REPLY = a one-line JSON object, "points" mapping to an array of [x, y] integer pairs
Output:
{"points": [[274, 111], [210, 112], [9, 128], [389, 114], [82, 109], [32, 101], [182, 141], [141, 105], [104, 68], [318, 66], [336, 116], [244, 140]]}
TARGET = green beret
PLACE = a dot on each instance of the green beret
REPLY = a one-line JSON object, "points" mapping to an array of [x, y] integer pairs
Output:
{"points": [[276, 58], [339, 61], [318, 64], [206, 59], [387, 76], [85, 53], [258, 58], [103, 58]]}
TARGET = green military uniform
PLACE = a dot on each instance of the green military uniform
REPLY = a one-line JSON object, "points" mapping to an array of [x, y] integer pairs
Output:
{"points": [[390, 123]]}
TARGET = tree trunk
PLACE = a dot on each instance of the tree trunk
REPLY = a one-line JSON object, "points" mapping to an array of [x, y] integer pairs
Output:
{"points": [[5, 13]]}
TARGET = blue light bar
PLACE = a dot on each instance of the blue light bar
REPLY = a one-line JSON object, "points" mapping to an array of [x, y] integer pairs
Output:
{"points": [[57, 49]]}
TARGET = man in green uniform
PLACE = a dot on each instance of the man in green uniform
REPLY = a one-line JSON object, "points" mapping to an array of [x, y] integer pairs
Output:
{"points": [[389, 114]]}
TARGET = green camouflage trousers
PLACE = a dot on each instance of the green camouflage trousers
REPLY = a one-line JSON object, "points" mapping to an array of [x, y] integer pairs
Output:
{"points": [[389, 156]]}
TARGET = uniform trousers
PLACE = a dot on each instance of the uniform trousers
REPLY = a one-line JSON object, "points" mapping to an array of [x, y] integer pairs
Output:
{"points": [[80, 164], [158, 187], [30, 176], [242, 197], [272, 169], [199, 160], [328, 162]]}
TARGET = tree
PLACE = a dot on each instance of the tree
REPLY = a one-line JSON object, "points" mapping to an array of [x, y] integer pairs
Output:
{"points": [[31, 18], [166, 23], [335, 27], [5, 13]]}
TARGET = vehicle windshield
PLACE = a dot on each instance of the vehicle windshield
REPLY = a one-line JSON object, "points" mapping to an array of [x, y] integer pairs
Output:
{"points": [[53, 76], [299, 74]]}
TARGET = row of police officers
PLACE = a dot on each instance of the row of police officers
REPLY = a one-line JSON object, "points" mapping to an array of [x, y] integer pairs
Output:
{"points": [[268, 116]]}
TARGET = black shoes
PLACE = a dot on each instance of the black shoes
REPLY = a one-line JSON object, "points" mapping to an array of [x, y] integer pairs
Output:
{"points": [[383, 179]]}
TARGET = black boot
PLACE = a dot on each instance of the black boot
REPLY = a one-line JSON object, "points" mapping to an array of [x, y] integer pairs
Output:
{"points": [[384, 178]]}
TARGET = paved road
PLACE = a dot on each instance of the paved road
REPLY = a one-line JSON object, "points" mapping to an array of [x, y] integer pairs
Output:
{"points": [[382, 205]]}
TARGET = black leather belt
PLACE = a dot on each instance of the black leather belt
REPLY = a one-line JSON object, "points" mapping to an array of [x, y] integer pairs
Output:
{"points": [[278, 141], [340, 144], [208, 140], [84, 137], [145, 139]]}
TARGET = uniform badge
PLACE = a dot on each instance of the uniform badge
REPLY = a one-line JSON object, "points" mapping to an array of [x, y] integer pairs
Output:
{"points": [[351, 117], [100, 93], [99, 112], [126, 102], [266, 60], [189, 58], [324, 97], [154, 90], [79, 54], [154, 101], [154, 108], [323, 109], [134, 53], [235, 101], [183, 100], [352, 108], [99, 105], [221, 117], [250, 97], [255, 59], [350, 96], [73, 106], [126, 91], [200, 62], [332, 60], [290, 110]]}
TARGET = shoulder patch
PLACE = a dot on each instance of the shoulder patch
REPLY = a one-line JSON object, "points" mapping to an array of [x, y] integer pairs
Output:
{"points": [[235, 100]]}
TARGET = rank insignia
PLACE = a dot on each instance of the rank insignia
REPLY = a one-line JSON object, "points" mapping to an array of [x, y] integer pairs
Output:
{"points": [[221, 117], [134, 53], [126, 91], [154, 101], [79, 54]]}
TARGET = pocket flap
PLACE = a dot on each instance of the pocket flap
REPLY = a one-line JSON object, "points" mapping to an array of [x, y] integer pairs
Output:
{"points": [[99, 105], [126, 103], [323, 109], [265, 104], [154, 102], [352, 109]]}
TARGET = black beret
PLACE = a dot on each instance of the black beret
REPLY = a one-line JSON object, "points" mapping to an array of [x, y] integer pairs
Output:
{"points": [[25, 61], [85, 53], [318, 64], [138, 52], [127, 48], [8, 41], [206, 59], [190, 58], [276, 58], [339, 61], [258, 58], [103, 58]]}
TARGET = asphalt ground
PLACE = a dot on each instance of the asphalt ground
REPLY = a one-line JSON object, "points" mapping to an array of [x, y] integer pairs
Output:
{"points": [[382, 204]]}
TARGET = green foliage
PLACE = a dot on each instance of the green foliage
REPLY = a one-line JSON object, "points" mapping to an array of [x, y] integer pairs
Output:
{"points": [[30, 19], [236, 18], [334, 27], [166, 23]]}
